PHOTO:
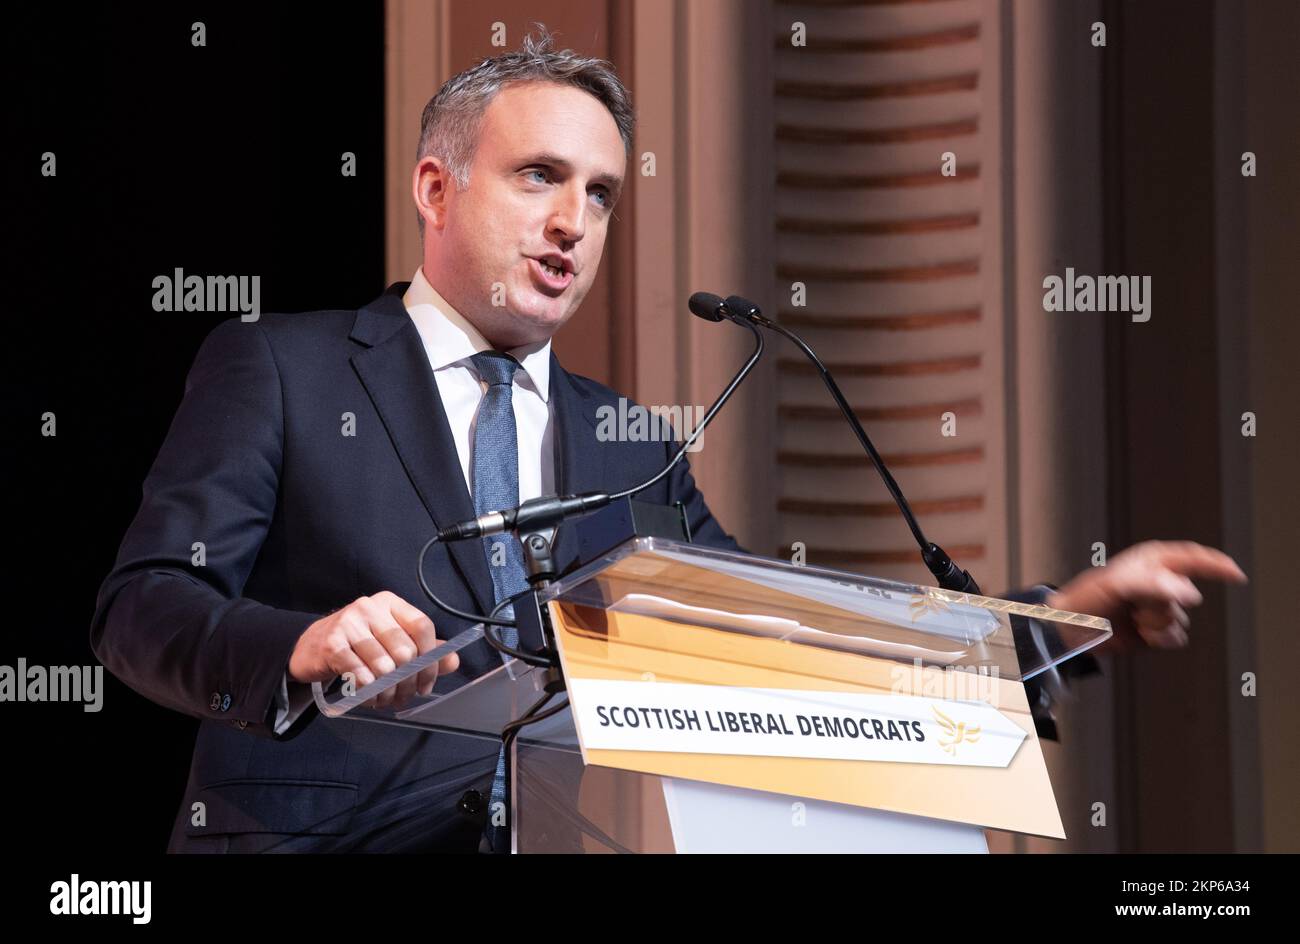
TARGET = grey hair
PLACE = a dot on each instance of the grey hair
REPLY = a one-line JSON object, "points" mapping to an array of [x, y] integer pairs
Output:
{"points": [[450, 125]]}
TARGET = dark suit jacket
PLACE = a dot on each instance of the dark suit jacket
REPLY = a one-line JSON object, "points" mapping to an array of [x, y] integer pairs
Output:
{"points": [[297, 520]]}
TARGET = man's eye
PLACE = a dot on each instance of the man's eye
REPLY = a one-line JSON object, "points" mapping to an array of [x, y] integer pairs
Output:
{"points": [[540, 173], [604, 197]]}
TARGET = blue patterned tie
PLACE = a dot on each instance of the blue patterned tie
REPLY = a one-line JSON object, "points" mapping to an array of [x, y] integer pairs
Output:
{"points": [[496, 487]]}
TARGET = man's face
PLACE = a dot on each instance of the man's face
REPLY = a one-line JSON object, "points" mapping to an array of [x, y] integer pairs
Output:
{"points": [[545, 176]]}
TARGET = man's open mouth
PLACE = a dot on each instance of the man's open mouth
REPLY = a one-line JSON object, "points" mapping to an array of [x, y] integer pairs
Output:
{"points": [[549, 277]]}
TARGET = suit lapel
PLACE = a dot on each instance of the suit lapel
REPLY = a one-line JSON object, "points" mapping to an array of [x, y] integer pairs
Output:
{"points": [[581, 460], [394, 369]]}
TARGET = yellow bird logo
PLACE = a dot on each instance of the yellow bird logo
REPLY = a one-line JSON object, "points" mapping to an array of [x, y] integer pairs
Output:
{"points": [[925, 603], [955, 732]]}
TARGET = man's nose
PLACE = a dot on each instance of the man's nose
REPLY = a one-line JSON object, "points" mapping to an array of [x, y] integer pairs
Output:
{"points": [[569, 213]]}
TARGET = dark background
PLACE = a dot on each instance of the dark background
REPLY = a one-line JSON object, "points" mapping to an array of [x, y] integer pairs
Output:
{"points": [[217, 160]]}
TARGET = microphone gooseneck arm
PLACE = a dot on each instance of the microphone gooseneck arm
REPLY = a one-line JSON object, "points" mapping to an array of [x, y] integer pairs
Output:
{"points": [[949, 575], [708, 417]]}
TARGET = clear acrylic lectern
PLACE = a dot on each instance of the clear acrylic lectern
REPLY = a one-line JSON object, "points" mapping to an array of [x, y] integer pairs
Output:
{"points": [[656, 621]]}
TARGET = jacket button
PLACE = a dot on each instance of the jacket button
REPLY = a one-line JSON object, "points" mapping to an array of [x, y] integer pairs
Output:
{"points": [[471, 803], [225, 703], [215, 701]]}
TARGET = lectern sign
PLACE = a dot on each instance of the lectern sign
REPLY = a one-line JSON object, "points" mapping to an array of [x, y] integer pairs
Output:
{"points": [[619, 715]]}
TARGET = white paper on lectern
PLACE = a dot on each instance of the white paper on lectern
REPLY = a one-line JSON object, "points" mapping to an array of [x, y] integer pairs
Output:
{"points": [[957, 621], [644, 604]]}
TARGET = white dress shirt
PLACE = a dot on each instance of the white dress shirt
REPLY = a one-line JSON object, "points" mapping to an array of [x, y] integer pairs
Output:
{"points": [[449, 341]]}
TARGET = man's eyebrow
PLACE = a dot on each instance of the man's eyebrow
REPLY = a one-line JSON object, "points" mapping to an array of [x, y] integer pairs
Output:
{"points": [[612, 181]]}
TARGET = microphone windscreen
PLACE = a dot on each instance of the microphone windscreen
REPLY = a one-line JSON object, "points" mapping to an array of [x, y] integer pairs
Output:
{"points": [[742, 307], [706, 305]]}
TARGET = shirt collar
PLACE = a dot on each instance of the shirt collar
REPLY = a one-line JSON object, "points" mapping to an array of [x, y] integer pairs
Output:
{"points": [[450, 338]]}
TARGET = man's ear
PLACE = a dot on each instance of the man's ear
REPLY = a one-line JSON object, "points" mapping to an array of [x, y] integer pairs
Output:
{"points": [[431, 185]]}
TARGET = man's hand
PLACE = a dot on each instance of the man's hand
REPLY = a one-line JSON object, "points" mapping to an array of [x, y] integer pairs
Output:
{"points": [[370, 637], [1145, 591]]}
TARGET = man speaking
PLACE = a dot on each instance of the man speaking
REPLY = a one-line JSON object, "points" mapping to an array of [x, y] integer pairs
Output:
{"points": [[314, 454]]}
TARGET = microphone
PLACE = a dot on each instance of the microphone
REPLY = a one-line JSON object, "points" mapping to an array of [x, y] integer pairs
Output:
{"points": [[743, 311], [708, 306], [537, 514]]}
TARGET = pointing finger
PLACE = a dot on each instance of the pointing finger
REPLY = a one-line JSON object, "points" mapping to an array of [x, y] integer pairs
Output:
{"points": [[1197, 560]]}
